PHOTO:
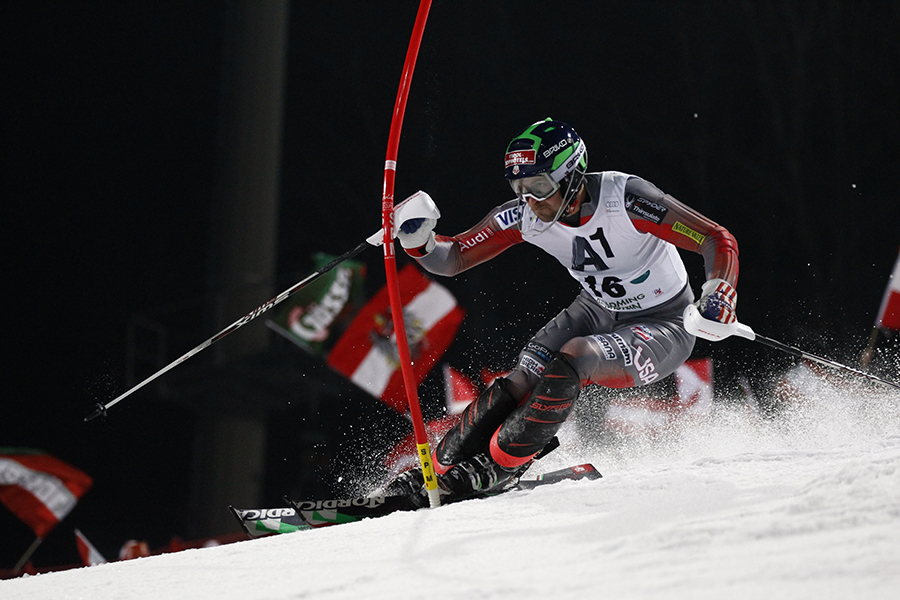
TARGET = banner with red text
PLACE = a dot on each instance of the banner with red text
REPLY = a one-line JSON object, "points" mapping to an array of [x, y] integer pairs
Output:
{"points": [[316, 315]]}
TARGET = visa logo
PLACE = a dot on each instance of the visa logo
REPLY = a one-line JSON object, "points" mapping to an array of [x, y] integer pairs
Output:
{"points": [[508, 217]]}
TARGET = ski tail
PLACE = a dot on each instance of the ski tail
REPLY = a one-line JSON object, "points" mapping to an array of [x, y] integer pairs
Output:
{"points": [[585, 471], [257, 522]]}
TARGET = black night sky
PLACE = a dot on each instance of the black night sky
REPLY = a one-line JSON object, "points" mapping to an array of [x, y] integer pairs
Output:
{"points": [[779, 120]]}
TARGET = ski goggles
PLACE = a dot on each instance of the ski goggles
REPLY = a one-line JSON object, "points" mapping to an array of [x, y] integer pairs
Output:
{"points": [[539, 187]]}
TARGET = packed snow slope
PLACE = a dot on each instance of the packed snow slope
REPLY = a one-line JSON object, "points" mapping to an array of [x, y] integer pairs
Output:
{"points": [[804, 505]]}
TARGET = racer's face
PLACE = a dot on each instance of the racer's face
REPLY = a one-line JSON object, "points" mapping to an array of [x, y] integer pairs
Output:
{"points": [[546, 210]]}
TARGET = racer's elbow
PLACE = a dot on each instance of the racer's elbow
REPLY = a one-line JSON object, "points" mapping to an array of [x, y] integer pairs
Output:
{"points": [[722, 240]]}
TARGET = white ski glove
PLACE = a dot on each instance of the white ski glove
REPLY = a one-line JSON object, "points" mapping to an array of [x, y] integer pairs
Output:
{"points": [[416, 233]]}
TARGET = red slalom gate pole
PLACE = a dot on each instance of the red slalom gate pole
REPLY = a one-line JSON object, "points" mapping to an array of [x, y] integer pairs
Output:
{"points": [[390, 258]]}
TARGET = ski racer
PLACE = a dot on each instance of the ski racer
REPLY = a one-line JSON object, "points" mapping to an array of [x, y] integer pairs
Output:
{"points": [[617, 234]]}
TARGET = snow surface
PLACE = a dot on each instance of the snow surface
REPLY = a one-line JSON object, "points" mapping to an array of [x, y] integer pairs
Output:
{"points": [[806, 505]]}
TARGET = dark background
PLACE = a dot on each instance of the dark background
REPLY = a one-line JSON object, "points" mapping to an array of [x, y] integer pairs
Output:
{"points": [[778, 120]]}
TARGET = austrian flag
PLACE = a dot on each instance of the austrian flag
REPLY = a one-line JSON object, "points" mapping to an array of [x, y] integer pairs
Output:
{"points": [[889, 313], [367, 352], [38, 488], [89, 555]]}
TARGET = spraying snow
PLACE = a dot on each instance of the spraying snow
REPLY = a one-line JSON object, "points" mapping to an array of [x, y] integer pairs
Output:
{"points": [[728, 505]]}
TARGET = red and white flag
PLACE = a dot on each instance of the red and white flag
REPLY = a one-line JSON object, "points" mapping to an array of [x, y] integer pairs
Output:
{"points": [[89, 555], [889, 313], [694, 385], [367, 352], [38, 488], [458, 390]]}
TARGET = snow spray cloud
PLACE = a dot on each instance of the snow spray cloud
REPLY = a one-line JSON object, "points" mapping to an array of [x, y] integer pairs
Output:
{"points": [[815, 412]]}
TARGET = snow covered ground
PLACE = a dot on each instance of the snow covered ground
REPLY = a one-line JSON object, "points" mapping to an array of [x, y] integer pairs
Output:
{"points": [[806, 505]]}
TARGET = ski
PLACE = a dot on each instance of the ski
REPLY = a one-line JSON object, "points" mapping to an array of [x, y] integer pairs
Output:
{"points": [[311, 514], [258, 522], [320, 513]]}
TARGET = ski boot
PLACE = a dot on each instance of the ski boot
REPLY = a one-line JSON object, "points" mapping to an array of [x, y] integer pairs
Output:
{"points": [[411, 485], [478, 477]]}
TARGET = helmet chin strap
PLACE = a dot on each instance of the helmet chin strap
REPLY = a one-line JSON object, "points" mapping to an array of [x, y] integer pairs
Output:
{"points": [[573, 203]]}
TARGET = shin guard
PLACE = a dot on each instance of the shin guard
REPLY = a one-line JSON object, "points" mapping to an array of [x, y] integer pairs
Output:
{"points": [[531, 426], [479, 421]]}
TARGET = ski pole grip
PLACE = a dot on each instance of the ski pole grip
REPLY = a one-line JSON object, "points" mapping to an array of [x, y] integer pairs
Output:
{"points": [[745, 331], [713, 331]]}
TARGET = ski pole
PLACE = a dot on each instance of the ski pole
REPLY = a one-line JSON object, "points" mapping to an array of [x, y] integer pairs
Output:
{"points": [[818, 359], [102, 408], [715, 331]]}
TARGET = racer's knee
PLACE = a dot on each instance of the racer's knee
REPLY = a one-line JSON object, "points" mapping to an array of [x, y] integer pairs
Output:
{"points": [[576, 348], [594, 360], [600, 359]]}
